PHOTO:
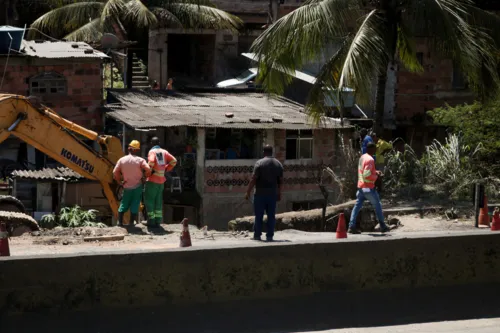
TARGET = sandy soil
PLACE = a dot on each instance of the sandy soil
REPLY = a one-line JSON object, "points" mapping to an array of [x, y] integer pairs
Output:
{"points": [[71, 241]]}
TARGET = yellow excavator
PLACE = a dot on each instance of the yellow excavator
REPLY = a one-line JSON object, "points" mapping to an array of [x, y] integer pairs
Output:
{"points": [[30, 121]]}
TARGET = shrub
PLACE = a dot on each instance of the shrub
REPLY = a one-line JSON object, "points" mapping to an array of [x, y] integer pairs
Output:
{"points": [[403, 171], [450, 166], [72, 217], [345, 175]]}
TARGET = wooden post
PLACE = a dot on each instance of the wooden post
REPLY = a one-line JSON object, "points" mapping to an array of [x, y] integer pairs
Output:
{"points": [[14, 187], [325, 203]]}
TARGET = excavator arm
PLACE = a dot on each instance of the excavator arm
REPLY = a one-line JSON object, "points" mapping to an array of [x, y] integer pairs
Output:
{"points": [[40, 127]]}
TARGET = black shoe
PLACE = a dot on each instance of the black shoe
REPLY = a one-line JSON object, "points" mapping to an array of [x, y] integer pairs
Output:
{"points": [[134, 218], [120, 219], [269, 239], [257, 238], [353, 231], [385, 229]]}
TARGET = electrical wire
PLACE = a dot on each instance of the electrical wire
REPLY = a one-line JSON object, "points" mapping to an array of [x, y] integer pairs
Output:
{"points": [[7, 61], [45, 35]]}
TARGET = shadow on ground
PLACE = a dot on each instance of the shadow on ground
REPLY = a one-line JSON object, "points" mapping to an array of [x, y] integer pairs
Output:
{"points": [[299, 314]]}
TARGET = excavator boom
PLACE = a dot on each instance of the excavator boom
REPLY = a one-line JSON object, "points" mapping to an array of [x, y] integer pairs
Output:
{"points": [[57, 137]]}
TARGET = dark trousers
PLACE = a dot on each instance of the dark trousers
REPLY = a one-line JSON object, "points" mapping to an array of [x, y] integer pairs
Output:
{"points": [[267, 204]]}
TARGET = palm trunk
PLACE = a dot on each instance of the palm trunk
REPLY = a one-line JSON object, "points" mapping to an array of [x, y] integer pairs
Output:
{"points": [[380, 103]]}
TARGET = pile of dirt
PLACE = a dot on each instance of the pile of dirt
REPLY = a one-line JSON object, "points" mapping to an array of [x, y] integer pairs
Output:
{"points": [[80, 232], [15, 220], [311, 220]]}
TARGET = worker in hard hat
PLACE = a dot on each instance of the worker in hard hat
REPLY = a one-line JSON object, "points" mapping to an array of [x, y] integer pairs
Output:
{"points": [[160, 162], [130, 171]]}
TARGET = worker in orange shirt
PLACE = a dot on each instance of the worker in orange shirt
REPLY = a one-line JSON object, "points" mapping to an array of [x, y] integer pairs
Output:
{"points": [[367, 175], [160, 162], [129, 171]]}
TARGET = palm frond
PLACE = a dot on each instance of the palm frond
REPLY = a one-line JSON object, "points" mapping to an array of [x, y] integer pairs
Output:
{"points": [[471, 48], [61, 21], [89, 32], [194, 16], [165, 18], [487, 21], [366, 58], [113, 9], [300, 37], [140, 14], [327, 82], [406, 49]]}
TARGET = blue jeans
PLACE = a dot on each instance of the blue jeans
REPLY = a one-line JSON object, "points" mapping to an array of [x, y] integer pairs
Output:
{"points": [[265, 203], [374, 199]]}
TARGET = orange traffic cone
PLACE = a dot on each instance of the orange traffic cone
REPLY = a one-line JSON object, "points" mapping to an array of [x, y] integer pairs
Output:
{"points": [[484, 218], [185, 236], [341, 228], [495, 224], [4, 241]]}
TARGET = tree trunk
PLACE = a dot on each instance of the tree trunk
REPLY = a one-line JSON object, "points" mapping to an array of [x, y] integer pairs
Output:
{"points": [[380, 103]]}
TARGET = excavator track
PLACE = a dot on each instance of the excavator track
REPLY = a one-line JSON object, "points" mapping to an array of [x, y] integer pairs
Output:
{"points": [[12, 213]]}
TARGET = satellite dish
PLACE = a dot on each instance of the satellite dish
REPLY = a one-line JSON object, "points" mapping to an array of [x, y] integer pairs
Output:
{"points": [[109, 41]]}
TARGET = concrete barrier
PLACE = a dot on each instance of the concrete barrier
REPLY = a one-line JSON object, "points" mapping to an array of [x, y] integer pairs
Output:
{"points": [[188, 276]]}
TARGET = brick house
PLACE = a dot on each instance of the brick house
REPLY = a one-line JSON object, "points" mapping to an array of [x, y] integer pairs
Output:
{"points": [[208, 56], [66, 76], [214, 123]]}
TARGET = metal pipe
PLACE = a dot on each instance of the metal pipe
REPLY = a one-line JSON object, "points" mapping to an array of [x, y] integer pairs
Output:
{"points": [[14, 125]]}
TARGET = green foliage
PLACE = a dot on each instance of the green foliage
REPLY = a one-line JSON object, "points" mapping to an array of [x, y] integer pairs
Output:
{"points": [[477, 124], [345, 175], [88, 20], [48, 221], [451, 165], [403, 170], [385, 33], [72, 217], [117, 77], [448, 169]]}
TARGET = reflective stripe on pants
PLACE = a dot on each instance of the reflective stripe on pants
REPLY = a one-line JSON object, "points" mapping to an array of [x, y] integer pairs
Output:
{"points": [[153, 197]]}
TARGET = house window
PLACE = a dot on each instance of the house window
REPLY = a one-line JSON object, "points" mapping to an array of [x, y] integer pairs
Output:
{"points": [[48, 84], [299, 144], [458, 80]]}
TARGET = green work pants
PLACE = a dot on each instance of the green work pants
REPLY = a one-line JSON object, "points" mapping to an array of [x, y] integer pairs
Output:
{"points": [[131, 200], [153, 198]]}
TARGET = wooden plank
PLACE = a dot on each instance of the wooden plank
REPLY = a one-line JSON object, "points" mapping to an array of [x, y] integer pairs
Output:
{"points": [[110, 238]]}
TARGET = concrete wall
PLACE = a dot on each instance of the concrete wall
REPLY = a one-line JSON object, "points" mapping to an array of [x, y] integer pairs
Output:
{"points": [[220, 208], [229, 274]]}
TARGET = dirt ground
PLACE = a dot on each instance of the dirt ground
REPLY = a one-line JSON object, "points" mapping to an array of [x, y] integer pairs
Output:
{"points": [[71, 241]]}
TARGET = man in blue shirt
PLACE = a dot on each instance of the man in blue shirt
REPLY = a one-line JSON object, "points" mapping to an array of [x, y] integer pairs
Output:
{"points": [[365, 139]]}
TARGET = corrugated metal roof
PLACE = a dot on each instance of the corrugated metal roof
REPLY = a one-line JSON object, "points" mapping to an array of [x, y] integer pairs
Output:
{"points": [[151, 109], [57, 50], [60, 173]]}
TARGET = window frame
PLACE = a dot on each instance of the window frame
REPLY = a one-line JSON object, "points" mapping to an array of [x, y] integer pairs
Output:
{"points": [[298, 140], [48, 79]]}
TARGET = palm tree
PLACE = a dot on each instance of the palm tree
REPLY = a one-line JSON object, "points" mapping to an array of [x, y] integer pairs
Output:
{"points": [[88, 20], [370, 37]]}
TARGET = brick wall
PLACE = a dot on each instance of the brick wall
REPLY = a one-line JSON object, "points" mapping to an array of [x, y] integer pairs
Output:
{"points": [[84, 88], [299, 175], [418, 93]]}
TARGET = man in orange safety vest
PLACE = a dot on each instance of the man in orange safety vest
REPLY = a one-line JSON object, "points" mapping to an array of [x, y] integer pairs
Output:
{"points": [[160, 162], [367, 175]]}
